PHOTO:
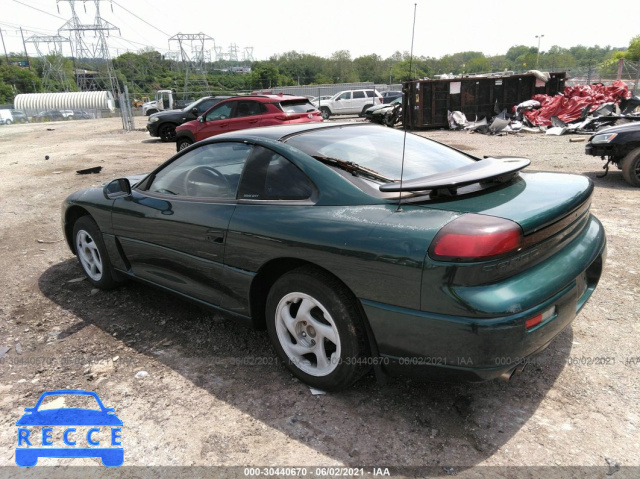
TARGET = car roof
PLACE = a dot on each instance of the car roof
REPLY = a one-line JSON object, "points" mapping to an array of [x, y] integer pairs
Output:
{"points": [[267, 98], [280, 132]]}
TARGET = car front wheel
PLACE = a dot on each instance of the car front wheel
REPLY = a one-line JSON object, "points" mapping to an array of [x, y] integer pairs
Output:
{"points": [[631, 167], [364, 110], [167, 132], [326, 113], [317, 329], [92, 253]]}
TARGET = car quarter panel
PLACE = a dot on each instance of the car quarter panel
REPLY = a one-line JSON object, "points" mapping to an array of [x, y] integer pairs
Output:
{"points": [[375, 250]]}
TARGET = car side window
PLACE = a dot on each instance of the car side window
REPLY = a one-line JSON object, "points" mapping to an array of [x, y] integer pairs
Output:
{"points": [[345, 96], [270, 176], [371, 94], [247, 108], [210, 171], [358, 94], [220, 112]]}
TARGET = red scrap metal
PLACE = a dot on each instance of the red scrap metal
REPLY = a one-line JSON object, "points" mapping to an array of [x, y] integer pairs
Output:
{"points": [[569, 105]]}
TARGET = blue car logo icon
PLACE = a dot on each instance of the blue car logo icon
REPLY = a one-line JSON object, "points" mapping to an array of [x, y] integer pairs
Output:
{"points": [[100, 421]]}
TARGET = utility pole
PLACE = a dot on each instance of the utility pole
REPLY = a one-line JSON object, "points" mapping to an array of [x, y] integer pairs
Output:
{"points": [[25, 49], [4, 47], [539, 37]]}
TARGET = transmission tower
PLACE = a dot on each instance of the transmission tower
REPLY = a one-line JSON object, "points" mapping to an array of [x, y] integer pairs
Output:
{"points": [[194, 55], [220, 55], [49, 49], [99, 73], [248, 54], [233, 52]]}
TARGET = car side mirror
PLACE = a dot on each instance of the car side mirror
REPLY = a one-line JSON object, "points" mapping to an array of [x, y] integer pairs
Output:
{"points": [[200, 119], [194, 110], [117, 189]]}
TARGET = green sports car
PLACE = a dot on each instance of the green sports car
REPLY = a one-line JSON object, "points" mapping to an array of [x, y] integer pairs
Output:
{"points": [[354, 248]]}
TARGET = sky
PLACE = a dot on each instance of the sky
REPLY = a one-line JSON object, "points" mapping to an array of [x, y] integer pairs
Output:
{"points": [[264, 28]]}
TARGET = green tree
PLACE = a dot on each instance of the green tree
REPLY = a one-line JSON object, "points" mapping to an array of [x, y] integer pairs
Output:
{"points": [[633, 52]]}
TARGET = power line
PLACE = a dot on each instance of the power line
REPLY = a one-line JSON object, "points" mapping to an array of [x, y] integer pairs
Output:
{"points": [[142, 20], [42, 11]]}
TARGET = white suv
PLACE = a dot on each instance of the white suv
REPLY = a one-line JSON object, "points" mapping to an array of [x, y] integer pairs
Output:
{"points": [[348, 102]]}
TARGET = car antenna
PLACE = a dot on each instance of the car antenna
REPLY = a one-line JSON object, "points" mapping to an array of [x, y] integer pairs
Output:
{"points": [[405, 101]]}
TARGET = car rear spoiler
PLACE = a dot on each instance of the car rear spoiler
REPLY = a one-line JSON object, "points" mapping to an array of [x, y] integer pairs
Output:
{"points": [[488, 170]]}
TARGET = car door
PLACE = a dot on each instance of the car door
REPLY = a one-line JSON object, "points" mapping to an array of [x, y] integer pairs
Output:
{"points": [[173, 228], [358, 102], [342, 104], [248, 114], [215, 121]]}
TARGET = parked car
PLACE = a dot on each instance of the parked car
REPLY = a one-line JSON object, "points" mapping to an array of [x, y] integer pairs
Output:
{"points": [[321, 98], [390, 95], [619, 145], [67, 114], [349, 102], [464, 266], [19, 116], [81, 115], [48, 115], [238, 113], [7, 117], [163, 124]]}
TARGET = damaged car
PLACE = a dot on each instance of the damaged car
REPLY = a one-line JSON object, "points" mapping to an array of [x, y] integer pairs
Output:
{"points": [[355, 246], [388, 114], [620, 146]]}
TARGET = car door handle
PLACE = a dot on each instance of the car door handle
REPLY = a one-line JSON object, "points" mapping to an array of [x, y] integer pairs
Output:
{"points": [[253, 121], [215, 236]]}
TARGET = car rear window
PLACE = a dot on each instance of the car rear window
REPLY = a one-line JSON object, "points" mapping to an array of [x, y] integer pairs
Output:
{"points": [[380, 149], [296, 106]]}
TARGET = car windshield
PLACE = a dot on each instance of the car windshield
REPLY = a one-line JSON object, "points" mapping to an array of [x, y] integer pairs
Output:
{"points": [[296, 106], [189, 107], [380, 149]]}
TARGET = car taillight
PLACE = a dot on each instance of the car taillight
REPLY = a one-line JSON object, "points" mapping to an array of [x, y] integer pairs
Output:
{"points": [[474, 237]]}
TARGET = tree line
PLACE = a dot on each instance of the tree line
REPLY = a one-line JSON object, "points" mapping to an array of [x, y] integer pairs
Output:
{"points": [[146, 71]]}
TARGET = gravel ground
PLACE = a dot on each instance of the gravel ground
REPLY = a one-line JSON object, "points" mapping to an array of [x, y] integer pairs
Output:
{"points": [[578, 407]]}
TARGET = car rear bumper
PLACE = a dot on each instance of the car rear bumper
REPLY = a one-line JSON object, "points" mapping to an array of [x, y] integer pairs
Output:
{"points": [[423, 344]]}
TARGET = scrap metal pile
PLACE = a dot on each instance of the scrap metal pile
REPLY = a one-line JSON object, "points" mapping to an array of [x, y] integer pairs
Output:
{"points": [[579, 109]]}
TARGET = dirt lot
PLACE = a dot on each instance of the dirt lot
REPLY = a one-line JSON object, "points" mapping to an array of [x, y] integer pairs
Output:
{"points": [[578, 408]]}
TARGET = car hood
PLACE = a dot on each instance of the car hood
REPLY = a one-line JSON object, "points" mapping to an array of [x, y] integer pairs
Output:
{"points": [[533, 200], [164, 114], [635, 126], [378, 107]]}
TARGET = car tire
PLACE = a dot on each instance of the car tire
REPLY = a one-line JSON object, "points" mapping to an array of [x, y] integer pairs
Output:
{"points": [[326, 113], [325, 344], [364, 110], [183, 143], [167, 132], [92, 253], [8, 122], [631, 167]]}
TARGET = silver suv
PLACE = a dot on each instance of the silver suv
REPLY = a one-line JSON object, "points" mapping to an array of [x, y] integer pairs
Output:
{"points": [[348, 102]]}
